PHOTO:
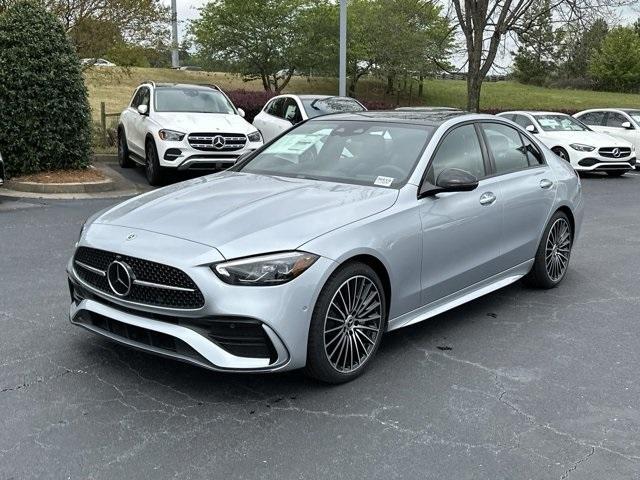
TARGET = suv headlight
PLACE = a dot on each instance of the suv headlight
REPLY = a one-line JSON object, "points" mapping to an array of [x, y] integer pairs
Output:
{"points": [[582, 148], [170, 135], [255, 137], [264, 270]]}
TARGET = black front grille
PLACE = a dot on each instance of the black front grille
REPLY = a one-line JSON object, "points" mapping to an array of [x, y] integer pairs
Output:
{"points": [[241, 337], [217, 142], [163, 276], [610, 152], [139, 335]]}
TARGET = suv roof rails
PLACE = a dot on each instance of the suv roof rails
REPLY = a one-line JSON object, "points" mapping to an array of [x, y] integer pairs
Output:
{"points": [[153, 84]]}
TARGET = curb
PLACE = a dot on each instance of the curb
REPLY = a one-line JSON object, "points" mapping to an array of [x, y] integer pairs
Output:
{"points": [[35, 187]]}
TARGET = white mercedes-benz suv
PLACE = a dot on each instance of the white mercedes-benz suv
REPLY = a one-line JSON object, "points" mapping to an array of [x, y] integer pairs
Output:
{"points": [[182, 127]]}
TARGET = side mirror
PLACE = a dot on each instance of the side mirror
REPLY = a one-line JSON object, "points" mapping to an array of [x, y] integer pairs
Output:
{"points": [[531, 129], [627, 125], [143, 109], [450, 180], [241, 112]]}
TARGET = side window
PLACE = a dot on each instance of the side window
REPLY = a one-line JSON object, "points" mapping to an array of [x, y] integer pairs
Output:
{"points": [[523, 121], [136, 98], [459, 149], [292, 111], [533, 154], [592, 118], [615, 120], [275, 108], [145, 96], [505, 143]]}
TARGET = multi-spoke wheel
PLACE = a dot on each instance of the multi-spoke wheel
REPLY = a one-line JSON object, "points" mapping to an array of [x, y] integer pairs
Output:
{"points": [[552, 258], [152, 169], [352, 324], [123, 150], [347, 324]]}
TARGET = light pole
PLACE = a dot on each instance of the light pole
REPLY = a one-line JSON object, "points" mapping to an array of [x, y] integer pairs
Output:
{"points": [[342, 81], [175, 59]]}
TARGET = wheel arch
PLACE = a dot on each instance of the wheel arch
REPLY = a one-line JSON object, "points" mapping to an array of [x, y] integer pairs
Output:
{"points": [[378, 266], [567, 211]]}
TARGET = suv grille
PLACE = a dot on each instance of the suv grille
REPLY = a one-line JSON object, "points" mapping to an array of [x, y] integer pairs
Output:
{"points": [[222, 142], [151, 283], [609, 152]]}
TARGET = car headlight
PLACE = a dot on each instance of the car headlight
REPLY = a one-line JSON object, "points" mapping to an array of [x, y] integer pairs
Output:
{"points": [[264, 270], [170, 135], [255, 137], [582, 148]]}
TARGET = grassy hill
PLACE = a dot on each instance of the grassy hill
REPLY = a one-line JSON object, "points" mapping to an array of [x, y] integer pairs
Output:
{"points": [[115, 86]]}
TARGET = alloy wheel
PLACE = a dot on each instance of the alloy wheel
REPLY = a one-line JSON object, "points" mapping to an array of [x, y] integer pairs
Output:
{"points": [[352, 324], [558, 249]]}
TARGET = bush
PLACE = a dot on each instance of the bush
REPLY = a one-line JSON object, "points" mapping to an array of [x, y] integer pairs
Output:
{"points": [[250, 102], [377, 105], [44, 113]]}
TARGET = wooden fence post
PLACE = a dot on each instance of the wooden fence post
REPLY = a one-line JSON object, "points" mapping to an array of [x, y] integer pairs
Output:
{"points": [[103, 123]]}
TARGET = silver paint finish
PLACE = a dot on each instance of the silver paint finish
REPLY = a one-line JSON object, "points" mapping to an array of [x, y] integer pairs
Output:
{"points": [[437, 252]]}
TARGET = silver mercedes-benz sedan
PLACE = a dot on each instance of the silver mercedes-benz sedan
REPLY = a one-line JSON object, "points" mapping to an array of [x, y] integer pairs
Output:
{"points": [[308, 250]]}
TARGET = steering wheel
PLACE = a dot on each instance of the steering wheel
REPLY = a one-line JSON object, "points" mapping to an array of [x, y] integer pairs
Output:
{"points": [[389, 171]]}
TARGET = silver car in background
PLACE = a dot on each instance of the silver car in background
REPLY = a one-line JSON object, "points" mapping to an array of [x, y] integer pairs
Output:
{"points": [[306, 252]]}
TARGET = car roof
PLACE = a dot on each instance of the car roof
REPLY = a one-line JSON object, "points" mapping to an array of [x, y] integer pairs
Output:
{"points": [[532, 112], [192, 86], [433, 119], [428, 109]]}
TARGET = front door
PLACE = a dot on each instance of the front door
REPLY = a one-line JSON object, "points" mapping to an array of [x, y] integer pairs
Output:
{"points": [[461, 230]]}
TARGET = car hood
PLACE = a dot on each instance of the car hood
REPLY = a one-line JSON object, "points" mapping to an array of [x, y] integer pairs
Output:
{"points": [[243, 214], [203, 122], [595, 139]]}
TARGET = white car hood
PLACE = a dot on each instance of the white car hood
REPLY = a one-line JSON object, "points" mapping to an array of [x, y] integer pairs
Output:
{"points": [[595, 139], [203, 122]]}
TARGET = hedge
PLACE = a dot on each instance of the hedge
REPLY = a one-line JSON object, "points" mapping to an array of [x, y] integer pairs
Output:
{"points": [[44, 113]]}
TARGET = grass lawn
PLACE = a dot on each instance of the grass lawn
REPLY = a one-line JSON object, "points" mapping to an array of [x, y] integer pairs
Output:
{"points": [[114, 86]]}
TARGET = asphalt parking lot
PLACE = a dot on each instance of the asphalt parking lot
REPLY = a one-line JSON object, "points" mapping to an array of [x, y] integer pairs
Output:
{"points": [[518, 384]]}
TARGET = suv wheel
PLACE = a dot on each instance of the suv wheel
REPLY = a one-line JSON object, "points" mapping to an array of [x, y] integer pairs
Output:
{"points": [[123, 150], [347, 324], [152, 168]]}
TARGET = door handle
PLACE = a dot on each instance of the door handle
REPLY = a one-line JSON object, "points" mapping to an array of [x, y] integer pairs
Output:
{"points": [[546, 183], [487, 198]]}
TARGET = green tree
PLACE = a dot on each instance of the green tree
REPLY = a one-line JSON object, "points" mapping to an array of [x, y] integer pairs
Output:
{"points": [[45, 121], [578, 44], [616, 66], [261, 38], [534, 60]]}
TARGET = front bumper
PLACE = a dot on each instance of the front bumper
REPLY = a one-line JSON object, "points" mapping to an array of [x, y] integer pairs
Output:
{"points": [[283, 313], [595, 163], [182, 156]]}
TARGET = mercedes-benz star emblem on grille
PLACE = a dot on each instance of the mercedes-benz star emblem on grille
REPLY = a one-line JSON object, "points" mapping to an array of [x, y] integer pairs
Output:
{"points": [[131, 236], [219, 142], [120, 278], [616, 152]]}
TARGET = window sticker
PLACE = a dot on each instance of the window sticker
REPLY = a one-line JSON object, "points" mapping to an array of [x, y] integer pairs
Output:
{"points": [[384, 181]]}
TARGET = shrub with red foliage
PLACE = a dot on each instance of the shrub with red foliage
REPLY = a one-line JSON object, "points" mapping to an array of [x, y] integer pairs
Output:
{"points": [[250, 101], [377, 105]]}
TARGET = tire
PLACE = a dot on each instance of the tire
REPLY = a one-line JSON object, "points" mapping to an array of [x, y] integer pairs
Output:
{"points": [[123, 150], [341, 345], [551, 264], [152, 169], [616, 173], [561, 152]]}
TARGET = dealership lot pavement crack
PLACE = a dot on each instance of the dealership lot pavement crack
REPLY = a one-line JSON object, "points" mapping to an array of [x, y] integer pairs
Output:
{"points": [[525, 384]]}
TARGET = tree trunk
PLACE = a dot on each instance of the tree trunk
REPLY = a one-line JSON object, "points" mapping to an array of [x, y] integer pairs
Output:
{"points": [[390, 79], [265, 82], [421, 87], [474, 85]]}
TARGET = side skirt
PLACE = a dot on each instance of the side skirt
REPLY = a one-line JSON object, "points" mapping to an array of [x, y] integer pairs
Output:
{"points": [[137, 158], [462, 296]]}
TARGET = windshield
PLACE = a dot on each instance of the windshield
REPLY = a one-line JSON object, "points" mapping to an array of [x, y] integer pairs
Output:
{"points": [[560, 123], [324, 106], [191, 100], [366, 153], [634, 114]]}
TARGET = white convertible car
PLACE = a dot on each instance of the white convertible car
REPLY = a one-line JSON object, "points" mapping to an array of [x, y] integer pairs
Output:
{"points": [[576, 143]]}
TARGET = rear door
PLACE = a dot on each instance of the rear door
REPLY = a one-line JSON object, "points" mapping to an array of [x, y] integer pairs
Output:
{"points": [[613, 126], [460, 230], [527, 187]]}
